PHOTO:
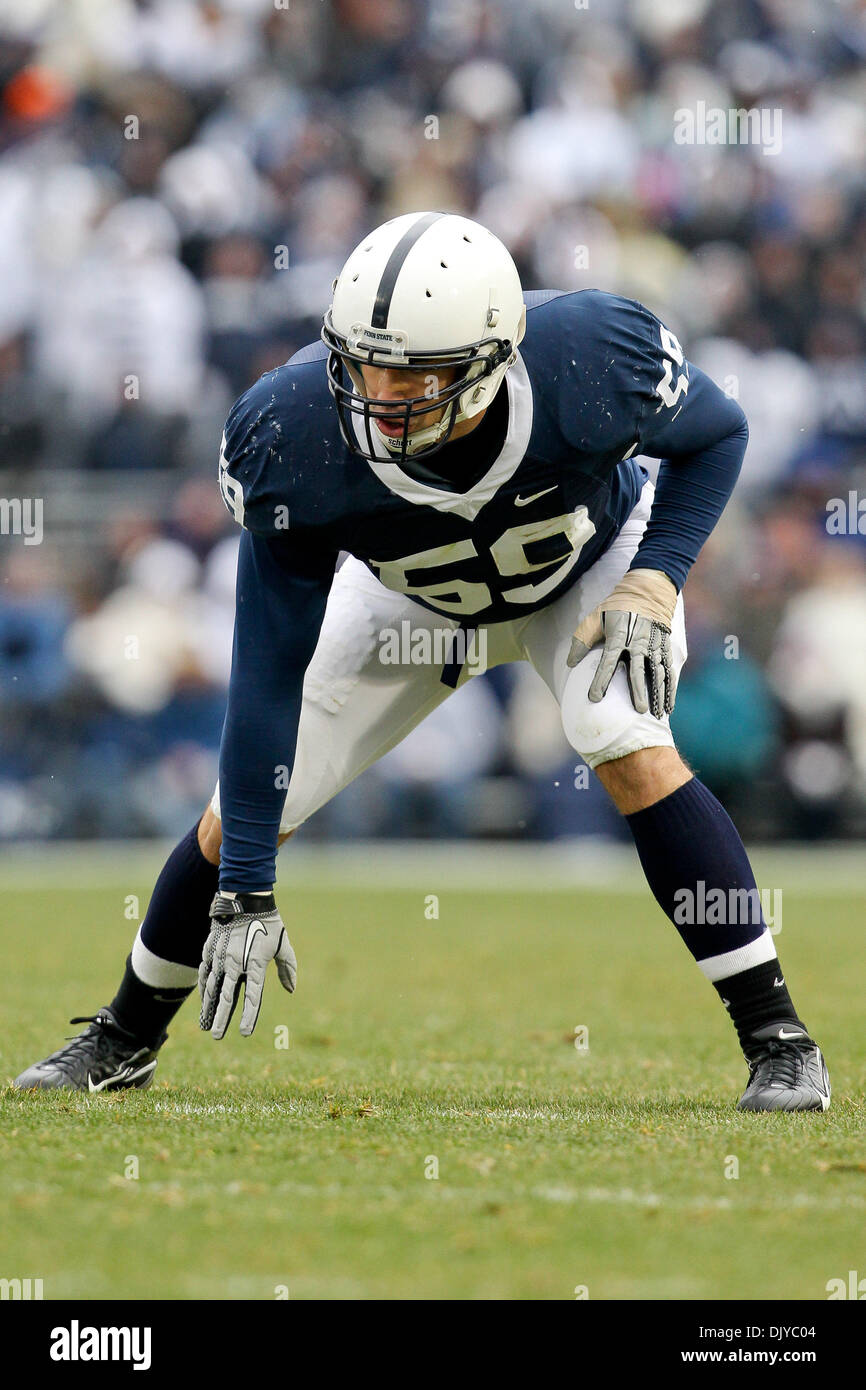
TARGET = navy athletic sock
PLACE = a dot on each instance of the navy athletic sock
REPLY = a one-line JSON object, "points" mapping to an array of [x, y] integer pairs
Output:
{"points": [[700, 875], [143, 1011], [163, 967]]}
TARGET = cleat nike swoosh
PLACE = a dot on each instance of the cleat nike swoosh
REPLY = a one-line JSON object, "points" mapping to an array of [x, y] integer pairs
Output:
{"points": [[785, 1037], [101, 1085], [127, 1073], [252, 932], [525, 501]]}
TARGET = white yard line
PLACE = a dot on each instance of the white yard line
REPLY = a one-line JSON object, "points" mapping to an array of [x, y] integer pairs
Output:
{"points": [[470, 1192]]}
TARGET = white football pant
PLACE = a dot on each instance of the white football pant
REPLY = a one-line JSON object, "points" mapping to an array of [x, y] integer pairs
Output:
{"points": [[359, 701]]}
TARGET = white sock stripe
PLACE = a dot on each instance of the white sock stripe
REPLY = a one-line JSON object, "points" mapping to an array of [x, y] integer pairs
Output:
{"points": [[152, 970], [756, 952]]}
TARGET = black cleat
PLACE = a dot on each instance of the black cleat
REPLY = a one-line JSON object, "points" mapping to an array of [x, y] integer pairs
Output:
{"points": [[102, 1058], [787, 1071]]}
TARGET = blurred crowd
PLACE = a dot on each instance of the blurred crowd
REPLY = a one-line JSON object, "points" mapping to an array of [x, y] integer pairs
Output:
{"points": [[180, 181]]}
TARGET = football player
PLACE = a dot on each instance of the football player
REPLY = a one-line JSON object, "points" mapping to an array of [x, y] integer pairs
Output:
{"points": [[475, 450]]}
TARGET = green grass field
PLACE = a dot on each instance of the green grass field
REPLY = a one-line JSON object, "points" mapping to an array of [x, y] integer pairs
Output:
{"points": [[415, 1044]]}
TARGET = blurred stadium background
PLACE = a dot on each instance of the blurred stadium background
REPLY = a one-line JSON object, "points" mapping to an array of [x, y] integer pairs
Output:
{"points": [[180, 181]]}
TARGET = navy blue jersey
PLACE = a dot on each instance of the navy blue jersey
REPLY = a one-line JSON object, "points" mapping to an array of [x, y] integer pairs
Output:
{"points": [[583, 398], [598, 381]]}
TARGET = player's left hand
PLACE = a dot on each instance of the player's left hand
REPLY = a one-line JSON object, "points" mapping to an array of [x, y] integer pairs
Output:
{"points": [[246, 934], [635, 625]]}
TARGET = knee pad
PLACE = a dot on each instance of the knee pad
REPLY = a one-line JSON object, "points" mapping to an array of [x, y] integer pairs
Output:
{"points": [[612, 728]]}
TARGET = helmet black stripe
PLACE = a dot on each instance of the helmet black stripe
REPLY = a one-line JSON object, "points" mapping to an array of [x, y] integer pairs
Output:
{"points": [[395, 264]]}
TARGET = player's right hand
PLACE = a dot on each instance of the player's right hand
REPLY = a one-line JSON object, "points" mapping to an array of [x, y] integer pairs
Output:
{"points": [[246, 933]]}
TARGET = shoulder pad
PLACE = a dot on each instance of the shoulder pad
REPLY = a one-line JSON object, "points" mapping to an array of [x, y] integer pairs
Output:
{"points": [[600, 359], [285, 419]]}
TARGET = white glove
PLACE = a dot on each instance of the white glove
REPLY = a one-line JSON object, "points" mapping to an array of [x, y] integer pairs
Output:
{"points": [[246, 934], [635, 625]]}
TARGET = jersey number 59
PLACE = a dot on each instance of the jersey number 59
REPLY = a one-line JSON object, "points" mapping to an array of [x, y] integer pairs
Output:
{"points": [[509, 554]]}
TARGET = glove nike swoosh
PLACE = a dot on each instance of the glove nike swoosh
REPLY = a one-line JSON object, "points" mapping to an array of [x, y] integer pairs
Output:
{"points": [[253, 931]]}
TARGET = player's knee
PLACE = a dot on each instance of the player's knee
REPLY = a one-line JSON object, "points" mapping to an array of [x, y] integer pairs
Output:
{"points": [[598, 731]]}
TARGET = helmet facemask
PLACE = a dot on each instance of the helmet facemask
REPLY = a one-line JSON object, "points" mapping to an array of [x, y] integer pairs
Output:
{"points": [[480, 367]]}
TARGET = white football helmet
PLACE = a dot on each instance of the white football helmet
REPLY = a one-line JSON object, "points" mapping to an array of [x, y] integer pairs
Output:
{"points": [[421, 293]]}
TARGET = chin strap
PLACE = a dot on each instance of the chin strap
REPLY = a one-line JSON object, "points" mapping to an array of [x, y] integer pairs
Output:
{"points": [[455, 413], [420, 440]]}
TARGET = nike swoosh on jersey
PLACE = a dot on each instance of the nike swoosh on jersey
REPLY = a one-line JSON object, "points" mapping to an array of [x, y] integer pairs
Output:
{"points": [[252, 932], [525, 501], [777, 983]]}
